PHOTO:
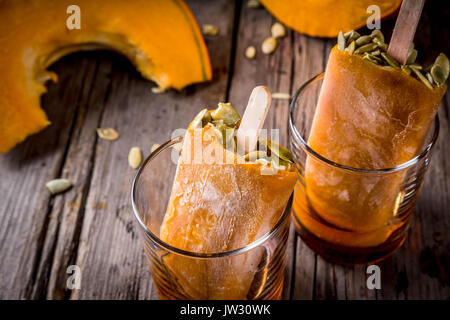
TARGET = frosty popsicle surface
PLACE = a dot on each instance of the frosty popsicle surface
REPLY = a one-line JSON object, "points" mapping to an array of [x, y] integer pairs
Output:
{"points": [[221, 201]]}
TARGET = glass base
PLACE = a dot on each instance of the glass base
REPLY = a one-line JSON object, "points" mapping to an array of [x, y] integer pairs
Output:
{"points": [[348, 256]]}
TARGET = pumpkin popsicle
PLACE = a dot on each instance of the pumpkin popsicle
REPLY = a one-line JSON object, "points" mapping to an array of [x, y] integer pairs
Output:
{"points": [[372, 113], [222, 200]]}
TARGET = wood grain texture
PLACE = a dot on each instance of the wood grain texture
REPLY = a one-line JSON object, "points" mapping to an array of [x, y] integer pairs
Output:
{"points": [[92, 224]]}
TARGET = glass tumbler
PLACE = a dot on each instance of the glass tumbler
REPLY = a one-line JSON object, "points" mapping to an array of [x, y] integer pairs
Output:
{"points": [[255, 271], [347, 215]]}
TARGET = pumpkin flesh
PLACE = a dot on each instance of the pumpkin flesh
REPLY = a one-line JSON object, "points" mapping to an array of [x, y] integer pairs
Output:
{"points": [[161, 38]]}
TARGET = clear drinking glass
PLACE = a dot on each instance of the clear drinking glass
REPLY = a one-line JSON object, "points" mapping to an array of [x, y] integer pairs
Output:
{"points": [[348, 215], [255, 271]]}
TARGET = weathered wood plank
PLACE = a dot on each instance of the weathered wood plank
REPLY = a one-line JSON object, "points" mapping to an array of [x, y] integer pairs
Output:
{"points": [[273, 71], [68, 209], [309, 60], [25, 204], [419, 270]]}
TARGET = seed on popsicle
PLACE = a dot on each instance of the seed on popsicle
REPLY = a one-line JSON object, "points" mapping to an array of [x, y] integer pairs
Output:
{"points": [[440, 69], [341, 41], [363, 40], [58, 185]]}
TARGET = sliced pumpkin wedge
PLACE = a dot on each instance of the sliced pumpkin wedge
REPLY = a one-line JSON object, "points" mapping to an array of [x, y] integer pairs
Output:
{"points": [[161, 38], [325, 18]]}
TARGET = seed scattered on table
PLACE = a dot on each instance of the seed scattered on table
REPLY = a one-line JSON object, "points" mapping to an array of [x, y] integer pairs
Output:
{"points": [[135, 157], [269, 45], [157, 90], [281, 96], [210, 30], [278, 30], [154, 147], [253, 4], [250, 52], [107, 134], [58, 185]]}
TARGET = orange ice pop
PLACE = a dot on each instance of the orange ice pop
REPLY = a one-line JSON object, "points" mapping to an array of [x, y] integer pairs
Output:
{"points": [[371, 114], [221, 201]]}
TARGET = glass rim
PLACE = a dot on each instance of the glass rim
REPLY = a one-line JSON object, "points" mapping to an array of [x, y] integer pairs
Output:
{"points": [[311, 152], [182, 252]]}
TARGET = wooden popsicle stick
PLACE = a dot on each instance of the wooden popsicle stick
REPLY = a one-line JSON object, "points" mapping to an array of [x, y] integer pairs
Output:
{"points": [[253, 119], [404, 30]]}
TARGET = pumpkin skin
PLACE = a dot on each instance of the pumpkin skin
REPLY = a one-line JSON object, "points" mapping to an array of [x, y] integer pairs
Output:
{"points": [[325, 18], [161, 38]]}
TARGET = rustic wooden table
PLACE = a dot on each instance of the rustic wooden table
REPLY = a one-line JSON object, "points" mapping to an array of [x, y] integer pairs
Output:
{"points": [[92, 225]]}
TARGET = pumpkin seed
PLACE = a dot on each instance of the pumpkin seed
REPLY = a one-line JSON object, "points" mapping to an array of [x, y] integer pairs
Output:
{"points": [[210, 30], [154, 147], [429, 77], [253, 4], [278, 150], [380, 44], [281, 164], [262, 161], [341, 41], [363, 40], [58, 185], [278, 30], [415, 66], [421, 77], [347, 34], [383, 46], [366, 48], [201, 119], [394, 64], [158, 90], [412, 55], [227, 113], [438, 75], [269, 45], [351, 47], [223, 133], [377, 34], [135, 157], [178, 147], [281, 96], [406, 69], [352, 36], [255, 155], [250, 52], [372, 58], [440, 69], [107, 134]]}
